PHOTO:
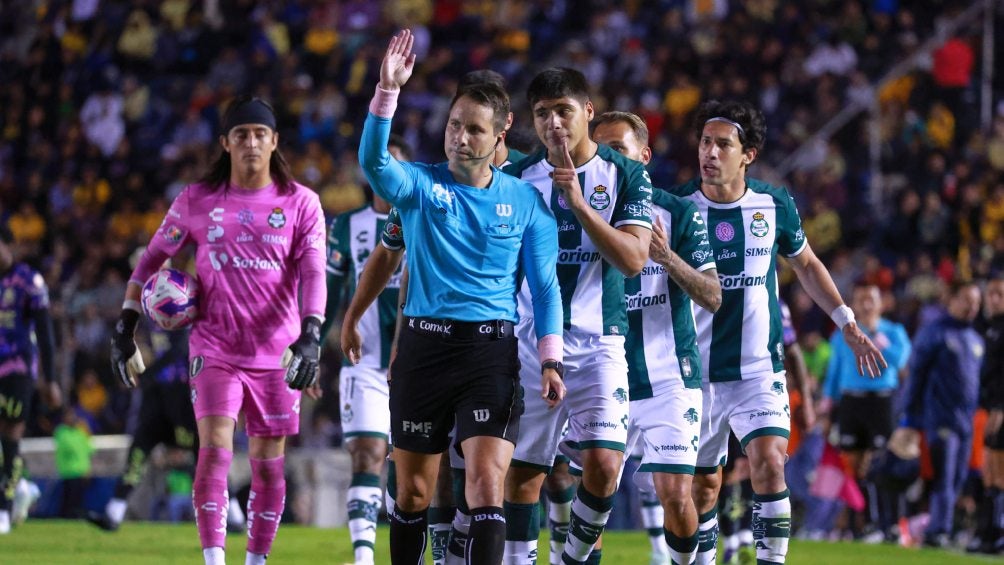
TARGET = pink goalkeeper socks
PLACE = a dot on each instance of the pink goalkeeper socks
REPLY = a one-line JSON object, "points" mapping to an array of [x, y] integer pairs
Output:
{"points": [[265, 503], [210, 497]]}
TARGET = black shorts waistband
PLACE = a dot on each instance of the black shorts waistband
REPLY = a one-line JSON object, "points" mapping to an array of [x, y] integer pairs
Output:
{"points": [[468, 331], [887, 393]]}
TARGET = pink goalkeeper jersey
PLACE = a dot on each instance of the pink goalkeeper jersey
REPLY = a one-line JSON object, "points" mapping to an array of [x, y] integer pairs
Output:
{"points": [[254, 249]]}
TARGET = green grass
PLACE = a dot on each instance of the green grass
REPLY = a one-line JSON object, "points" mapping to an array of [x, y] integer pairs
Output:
{"points": [[54, 542]]}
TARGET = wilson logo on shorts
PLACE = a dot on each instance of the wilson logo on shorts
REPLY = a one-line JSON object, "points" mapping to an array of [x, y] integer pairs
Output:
{"points": [[481, 415]]}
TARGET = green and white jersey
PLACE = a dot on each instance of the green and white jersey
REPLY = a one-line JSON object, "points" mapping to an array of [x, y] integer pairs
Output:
{"points": [[351, 239], [620, 191], [744, 339], [661, 342]]}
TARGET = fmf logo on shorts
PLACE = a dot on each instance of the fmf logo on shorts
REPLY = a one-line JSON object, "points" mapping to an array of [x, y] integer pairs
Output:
{"points": [[419, 428]]}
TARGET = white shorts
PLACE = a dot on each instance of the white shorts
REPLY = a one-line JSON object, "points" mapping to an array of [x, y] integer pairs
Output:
{"points": [[595, 406], [666, 429], [364, 395], [751, 408]]}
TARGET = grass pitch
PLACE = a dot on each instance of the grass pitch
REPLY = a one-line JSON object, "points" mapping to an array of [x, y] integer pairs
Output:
{"points": [[55, 542]]}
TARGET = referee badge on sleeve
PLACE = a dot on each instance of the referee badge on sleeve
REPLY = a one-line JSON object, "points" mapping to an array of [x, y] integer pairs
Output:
{"points": [[196, 366]]}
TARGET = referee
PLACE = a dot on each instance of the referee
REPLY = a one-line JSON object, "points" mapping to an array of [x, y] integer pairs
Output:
{"points": [[472, 232]]}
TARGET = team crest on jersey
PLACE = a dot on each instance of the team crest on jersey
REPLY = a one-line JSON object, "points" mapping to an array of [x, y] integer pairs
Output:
{"points": [[245, 217], [724, 231], [691, 416], [277, 219], [777, 388], [599, 199], [196, 367], [620, 395], [759, 226], [173, 234]]}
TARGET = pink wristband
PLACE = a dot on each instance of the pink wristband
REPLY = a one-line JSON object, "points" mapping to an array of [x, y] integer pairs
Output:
{"points": [[551, 346], [384, 102]]}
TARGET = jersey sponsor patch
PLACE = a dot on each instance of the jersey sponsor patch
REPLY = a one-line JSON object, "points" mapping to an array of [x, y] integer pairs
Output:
{"points": [[245, 217], [724, 231]]}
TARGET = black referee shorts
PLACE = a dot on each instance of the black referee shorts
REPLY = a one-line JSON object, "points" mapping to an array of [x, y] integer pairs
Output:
{"points": [[15, 397], [865, 420], [447, 371]]}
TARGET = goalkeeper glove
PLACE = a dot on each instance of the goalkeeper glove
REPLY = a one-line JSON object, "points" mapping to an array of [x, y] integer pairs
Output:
{"points": [[127, 362], [301, 358]]}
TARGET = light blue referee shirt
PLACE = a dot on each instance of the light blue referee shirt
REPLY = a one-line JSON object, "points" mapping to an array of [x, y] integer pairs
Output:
{"points": [[842, 372], [468, 247]]}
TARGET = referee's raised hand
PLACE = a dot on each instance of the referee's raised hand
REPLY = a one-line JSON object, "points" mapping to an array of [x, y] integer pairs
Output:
{"points": [[398, 62]]}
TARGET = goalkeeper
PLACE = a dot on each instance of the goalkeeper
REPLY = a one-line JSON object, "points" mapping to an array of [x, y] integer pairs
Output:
{"points": [[259, 245]]}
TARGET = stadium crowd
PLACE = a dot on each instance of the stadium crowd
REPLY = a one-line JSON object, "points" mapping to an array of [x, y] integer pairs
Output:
{"points": [[111, 107]]}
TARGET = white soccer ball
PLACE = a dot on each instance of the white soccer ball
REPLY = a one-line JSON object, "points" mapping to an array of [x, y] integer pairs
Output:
{"points": [[171, 299]]}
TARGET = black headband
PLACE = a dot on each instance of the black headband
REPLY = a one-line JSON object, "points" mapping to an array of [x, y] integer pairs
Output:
{"points": [[253, 111]]}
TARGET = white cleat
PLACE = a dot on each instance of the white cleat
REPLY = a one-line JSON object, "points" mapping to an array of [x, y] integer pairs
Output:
{"points": [[4, 522], [25, 495]]}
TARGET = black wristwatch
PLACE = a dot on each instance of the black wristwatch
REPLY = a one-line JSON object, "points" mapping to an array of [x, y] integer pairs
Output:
{"points": [[558, 366]]}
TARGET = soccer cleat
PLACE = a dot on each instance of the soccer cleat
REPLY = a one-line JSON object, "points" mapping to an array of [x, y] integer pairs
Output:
{"points": [[4, 522], [101, 520], [939, 541], [659, 559], [25, 496]]}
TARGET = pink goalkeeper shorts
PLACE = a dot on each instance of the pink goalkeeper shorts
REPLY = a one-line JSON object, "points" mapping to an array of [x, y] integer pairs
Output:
{"points": [[270, 407]]}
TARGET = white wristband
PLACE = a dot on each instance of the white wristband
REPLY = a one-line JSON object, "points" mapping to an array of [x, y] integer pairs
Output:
{"points": [[132, 305], [842, 315]]}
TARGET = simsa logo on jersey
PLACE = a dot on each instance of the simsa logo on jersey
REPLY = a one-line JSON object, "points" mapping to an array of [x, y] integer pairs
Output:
{"points": [[218, 260]]}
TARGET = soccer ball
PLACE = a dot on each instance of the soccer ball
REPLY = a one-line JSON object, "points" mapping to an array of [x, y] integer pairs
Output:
{"points": [[171, 299]]}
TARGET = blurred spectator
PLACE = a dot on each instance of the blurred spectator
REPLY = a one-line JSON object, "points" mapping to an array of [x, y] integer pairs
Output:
{"points": [[940, 399], [73, 462], [102, 118]]}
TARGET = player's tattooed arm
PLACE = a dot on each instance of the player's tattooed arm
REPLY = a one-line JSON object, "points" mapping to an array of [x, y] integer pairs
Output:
{"points": [[703, 287]]}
